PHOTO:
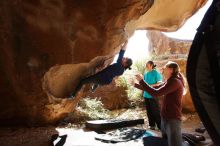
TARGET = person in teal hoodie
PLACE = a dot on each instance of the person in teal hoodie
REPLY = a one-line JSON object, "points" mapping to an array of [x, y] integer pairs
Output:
{"points": [[153, 78]]}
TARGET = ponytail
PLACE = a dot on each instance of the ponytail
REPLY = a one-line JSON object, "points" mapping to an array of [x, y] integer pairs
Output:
{"points": [[152, 64]]}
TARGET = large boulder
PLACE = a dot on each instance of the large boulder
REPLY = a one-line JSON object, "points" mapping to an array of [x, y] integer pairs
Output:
{"points": [[36, 35]]}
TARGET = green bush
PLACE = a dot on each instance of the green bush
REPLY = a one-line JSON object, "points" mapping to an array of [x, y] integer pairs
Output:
{"points": [[140, 66], [122, 82], [133, 94], [93, 109]]}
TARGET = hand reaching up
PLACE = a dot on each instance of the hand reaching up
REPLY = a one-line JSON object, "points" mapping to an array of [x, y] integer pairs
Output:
{"points": [[124, 46]]}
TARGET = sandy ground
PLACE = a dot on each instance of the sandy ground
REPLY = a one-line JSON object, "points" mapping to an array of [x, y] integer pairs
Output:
{"points": [[41, 136]]}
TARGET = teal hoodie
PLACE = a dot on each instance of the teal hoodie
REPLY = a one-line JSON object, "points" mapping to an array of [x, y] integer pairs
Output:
{"points": [[151, 77]]}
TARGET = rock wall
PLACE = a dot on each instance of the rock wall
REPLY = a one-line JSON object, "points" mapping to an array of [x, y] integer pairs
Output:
{"points": [[36, 35], [160, 44]]}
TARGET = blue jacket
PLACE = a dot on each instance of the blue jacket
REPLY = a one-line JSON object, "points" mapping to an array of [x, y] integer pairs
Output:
{"points": [[116, 69]]}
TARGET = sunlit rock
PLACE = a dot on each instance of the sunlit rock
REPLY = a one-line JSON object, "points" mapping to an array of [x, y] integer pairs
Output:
{"points": [[160, 44]]}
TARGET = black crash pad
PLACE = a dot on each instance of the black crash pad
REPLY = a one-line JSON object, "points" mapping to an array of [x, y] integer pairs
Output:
{"points": [[154, 141], [112, 124], [121, 135]]}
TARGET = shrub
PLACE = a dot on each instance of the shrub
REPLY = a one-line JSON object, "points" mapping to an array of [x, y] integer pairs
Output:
{"points": [[93, 109], [133, 94], [140, 66]]}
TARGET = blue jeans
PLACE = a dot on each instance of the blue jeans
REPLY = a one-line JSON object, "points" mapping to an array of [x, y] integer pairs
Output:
{"points": [[171, 129]]}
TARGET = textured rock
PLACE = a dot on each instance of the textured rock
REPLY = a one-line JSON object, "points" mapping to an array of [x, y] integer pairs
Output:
{"points": [[36, 35], [165, 15], [161, 44]]}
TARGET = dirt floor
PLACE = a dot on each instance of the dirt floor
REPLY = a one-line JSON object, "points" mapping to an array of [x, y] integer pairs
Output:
{"points": [[41, 136]]}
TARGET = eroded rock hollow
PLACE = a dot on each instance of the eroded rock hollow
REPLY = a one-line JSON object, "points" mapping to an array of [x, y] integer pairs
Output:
{"points": [[36, 35]]}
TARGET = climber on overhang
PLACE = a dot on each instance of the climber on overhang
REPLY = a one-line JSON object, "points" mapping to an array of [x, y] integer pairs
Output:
{"points": [[106, 76]]}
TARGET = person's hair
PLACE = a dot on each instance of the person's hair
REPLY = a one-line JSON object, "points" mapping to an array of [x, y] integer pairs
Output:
{"points": [[129, 62], [152, 64], [174, 66], [176, 72]]}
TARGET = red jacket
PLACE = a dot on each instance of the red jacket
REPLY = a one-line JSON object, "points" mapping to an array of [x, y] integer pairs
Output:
{"points": [[172, 90]]}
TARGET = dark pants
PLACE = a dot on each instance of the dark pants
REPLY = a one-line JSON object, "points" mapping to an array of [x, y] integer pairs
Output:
{"points": [[95, 79], [153, 112]]}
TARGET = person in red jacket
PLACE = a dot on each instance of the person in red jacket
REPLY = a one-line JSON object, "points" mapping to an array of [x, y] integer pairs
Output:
{"points": [[172, 90]]}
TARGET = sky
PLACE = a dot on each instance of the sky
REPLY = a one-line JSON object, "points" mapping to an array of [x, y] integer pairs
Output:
{"points": [[138, 44]]}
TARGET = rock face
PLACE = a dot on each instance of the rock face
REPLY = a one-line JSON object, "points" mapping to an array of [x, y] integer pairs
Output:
{"points": [[36, 35], [161, 44]]}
